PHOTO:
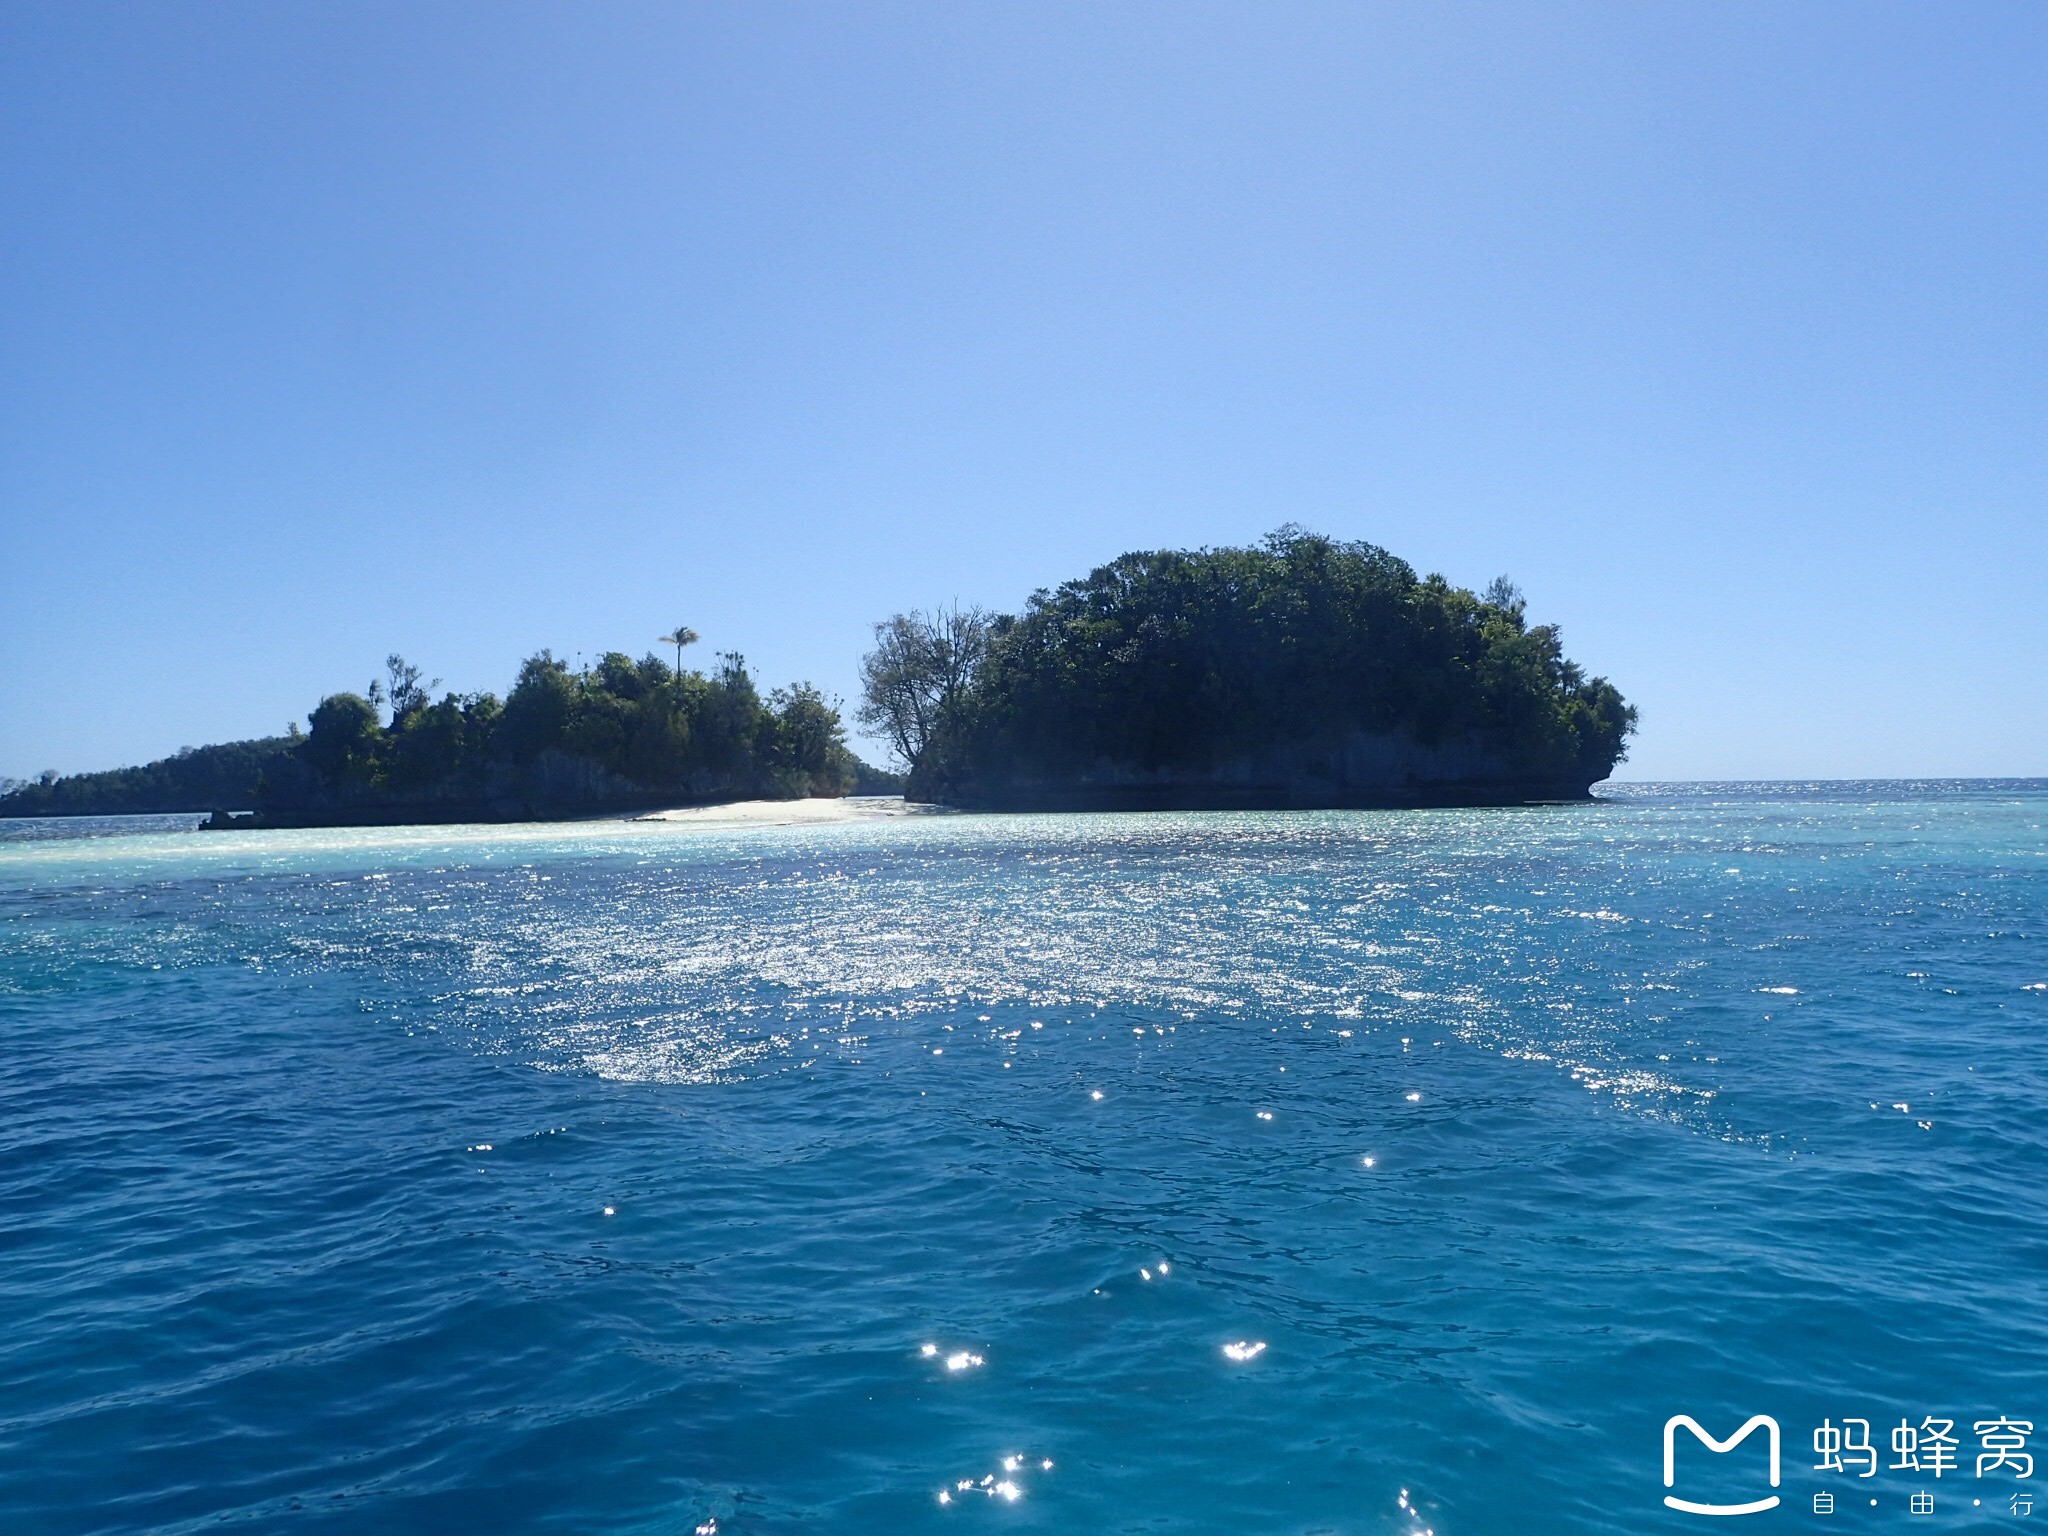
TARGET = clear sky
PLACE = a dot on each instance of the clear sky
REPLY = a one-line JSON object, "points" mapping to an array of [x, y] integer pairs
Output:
{"points": [[467, 329]]}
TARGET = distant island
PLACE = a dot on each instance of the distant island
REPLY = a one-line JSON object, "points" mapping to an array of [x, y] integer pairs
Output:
{"points": [[1305, 672], [620, 736]]}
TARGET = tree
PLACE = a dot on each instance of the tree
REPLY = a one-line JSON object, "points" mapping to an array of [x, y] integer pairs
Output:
{"points": [[916, 679], [342, 741], [538, 708], [405, 692], [1503, 594], [808, 749], [732, 718], [679, 637]]}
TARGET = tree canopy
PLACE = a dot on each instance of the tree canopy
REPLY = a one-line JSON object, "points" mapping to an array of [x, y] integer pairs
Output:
{"points": [[619, 733], [1183, 662], [193, 779]]}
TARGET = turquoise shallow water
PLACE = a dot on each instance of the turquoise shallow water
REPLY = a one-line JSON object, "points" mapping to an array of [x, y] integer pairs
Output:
{"points": [[618, 1177]]}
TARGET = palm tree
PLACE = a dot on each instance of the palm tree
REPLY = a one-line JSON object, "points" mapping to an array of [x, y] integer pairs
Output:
{"points": [[684, 635]]}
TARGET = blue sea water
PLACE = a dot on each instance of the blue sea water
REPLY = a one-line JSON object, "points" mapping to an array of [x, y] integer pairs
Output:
{"points": [[638, 1177]]}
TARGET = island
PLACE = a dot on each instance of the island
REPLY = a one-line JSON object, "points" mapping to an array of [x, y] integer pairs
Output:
{"points": [[617, 737], [1305, 672]]}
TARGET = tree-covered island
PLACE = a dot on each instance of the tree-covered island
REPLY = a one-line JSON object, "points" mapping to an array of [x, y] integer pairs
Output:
{"points": [[621, 735], [1304, 672]]}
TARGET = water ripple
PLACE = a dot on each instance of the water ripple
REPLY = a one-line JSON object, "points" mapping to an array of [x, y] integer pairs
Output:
{"points": [[1316, 1171]]}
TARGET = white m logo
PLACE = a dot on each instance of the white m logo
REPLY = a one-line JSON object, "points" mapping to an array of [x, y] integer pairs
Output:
{"points": [[1755, 1507]]}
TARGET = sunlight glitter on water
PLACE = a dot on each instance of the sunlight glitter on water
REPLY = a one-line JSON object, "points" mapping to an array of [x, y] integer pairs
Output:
{"points": [[329, 1237], [922, 960]]}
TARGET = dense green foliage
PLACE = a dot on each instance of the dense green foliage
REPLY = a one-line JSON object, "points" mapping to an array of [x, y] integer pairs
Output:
{"points": [[618, 734], [1184, 660], [196, 779]]}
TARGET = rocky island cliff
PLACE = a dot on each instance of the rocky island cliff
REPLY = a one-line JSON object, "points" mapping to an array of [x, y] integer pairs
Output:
{"points": [[1305, 672]]}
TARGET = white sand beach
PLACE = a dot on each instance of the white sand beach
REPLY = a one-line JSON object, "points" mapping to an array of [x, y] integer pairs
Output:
{"points": [[788, 813]]}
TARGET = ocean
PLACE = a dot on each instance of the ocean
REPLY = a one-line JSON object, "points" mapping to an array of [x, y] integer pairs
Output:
{"points": [[1299, 1172]]}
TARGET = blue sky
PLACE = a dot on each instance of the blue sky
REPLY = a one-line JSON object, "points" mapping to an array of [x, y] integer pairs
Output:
{"points": [[466, 329]]}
